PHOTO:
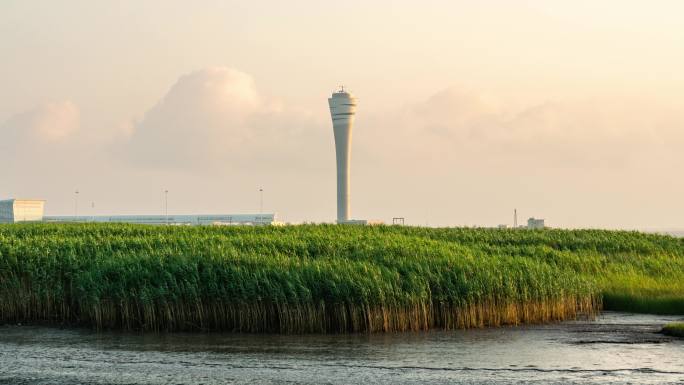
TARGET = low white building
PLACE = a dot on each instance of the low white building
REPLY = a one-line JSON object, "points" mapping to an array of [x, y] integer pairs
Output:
{"points": [[32, 210], [535, 223], [234, 219], [21, 210], [369, 222]]}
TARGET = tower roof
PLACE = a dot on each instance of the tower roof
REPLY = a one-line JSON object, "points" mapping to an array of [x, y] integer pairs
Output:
{"points": [[341, 93]]}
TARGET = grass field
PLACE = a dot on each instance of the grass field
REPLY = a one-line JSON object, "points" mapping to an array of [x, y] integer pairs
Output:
{"points": [[674, 329], [324, 278]]}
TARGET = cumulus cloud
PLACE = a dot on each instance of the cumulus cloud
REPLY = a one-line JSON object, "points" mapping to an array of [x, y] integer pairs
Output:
{"points": [[42, 148], [457, 123], [47, 131], [217, 116], [51, 122]]}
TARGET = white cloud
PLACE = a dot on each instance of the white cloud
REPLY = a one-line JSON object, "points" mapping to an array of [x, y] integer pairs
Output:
{"points": [[44, 148], [51, 122], [44, 136], [454, 124], [215, 117]]}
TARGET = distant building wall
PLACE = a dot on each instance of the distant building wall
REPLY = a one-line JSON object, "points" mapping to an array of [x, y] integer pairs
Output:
{"points": [[534, 223], [7, 211], [370, 222], [21, 210], [32, 210], [237, 219]]}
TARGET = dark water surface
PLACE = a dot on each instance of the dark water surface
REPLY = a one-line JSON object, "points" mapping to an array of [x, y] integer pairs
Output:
{"points": [[614, 348]]}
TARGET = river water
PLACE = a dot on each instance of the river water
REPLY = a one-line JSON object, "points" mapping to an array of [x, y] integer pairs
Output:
{"points": [[613, 348]]}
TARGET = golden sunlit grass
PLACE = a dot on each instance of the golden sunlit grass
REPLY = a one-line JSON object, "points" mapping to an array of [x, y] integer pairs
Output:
{"points": [[674, 329]]}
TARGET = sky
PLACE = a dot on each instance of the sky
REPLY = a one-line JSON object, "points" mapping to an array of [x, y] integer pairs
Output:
{"points": [[568, 111]]}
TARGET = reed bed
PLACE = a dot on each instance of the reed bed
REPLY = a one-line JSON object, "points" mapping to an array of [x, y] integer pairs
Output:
{"points": [[675, 329], [320, 278]]}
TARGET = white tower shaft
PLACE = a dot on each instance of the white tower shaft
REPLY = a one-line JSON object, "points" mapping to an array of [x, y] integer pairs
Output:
{"points": [[342, 109]]}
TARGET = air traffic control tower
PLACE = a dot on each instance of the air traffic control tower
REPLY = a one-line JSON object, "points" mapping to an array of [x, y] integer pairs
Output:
{"points": [[342, 110]]}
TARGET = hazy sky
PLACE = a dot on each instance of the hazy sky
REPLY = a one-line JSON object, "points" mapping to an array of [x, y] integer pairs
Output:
{"points": [[571, 111]]}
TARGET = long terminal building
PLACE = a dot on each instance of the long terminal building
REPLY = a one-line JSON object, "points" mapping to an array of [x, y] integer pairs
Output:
{"points": [[32, 210]]}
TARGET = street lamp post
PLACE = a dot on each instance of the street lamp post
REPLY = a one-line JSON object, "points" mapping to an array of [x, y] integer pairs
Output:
{"points": [[76, 204], [166, 207]]}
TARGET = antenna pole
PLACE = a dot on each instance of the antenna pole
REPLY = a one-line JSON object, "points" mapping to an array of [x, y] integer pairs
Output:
{"points": [[515, 218], [166, 207]]}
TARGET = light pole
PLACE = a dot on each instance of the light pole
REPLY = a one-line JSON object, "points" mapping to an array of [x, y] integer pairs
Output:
{"points": [[515, 218], [261, 203], [76, 204], [166, 207]]}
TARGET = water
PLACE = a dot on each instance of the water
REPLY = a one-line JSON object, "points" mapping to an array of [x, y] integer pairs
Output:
{"points": [[614, 348]]}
